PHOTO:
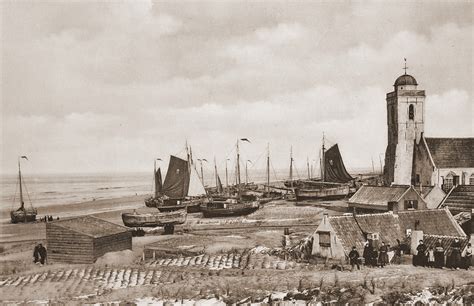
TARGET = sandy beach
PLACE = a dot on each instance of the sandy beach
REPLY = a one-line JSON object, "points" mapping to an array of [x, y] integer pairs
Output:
{"points": [[109, 209]]}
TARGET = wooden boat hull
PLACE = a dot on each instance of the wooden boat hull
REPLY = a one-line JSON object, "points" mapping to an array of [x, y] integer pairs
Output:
{"points": [[333, 193], [153, 219], [192, 206], [229, 209], [23, 215]]}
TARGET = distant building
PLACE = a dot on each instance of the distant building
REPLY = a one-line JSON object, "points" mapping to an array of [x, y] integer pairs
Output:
{"points": [[381, 199], [84, 239], [336, 235], [411, 158]]}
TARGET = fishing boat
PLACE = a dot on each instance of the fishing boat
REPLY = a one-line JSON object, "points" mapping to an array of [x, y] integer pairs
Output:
{"points": [[228, 208], [23, 214], [136, 219], [182, 188], [335, 181], [231, 205], [158, 184]]}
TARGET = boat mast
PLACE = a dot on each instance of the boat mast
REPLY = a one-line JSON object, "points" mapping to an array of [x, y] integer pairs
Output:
{"points": [[268, 167], [215, 173], [307, 164], [22, 204], [291, 165], [226, 176], [323, 166], [238, 166]]}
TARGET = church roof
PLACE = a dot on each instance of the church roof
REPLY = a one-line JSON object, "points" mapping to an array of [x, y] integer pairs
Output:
{"points": [[405, 79], [451, 152]]}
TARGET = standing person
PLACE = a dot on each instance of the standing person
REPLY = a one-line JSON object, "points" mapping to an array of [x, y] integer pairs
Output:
{"points": [[375, 255], [420, 257], [36, 254], [367, 254], [354, 258], [439, 254], [43, 253], [383, 256], [467, 259], [431, 257], [455, 254]]}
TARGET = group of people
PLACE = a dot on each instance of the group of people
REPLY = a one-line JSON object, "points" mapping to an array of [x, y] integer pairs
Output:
{"points": [[48, 218], [434, 257], [373, 256], [39, 254]]}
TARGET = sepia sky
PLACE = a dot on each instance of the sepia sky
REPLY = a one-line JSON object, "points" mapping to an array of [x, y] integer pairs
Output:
{"points": [[107, 86]]}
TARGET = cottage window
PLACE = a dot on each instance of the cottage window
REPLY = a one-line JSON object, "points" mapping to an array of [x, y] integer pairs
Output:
{"points": [[411, 112], [471, 180], [448, 183], [324, 239], [411, 204]]}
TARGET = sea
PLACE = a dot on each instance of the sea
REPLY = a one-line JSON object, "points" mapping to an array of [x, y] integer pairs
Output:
{"points": [[52, 189]]}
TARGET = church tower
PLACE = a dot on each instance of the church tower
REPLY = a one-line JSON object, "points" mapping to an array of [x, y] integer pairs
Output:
{"points": [[405, 121]]}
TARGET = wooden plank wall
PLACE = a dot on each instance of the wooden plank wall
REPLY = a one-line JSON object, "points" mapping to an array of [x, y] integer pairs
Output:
{"points": [[112, 243], [67, 246]]}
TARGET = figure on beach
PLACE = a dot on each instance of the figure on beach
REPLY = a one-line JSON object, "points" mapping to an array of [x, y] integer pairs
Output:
{"points": [[467, 258], [39, 254]]}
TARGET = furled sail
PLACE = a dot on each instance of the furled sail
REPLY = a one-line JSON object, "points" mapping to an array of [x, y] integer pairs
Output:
{"points": [[158, 183], [220, 189], [176, 183], [334, 169], [196, 187]]}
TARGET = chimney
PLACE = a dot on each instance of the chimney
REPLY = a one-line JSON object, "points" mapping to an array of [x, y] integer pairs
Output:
{"points": [[325, 218]]}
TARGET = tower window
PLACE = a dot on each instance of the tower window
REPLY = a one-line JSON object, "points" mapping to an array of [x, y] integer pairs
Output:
{"points": [[411, 112]]}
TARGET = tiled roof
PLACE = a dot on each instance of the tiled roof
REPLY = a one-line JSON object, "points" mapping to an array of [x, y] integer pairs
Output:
{"points": [[460, 199], [451, 152], [423, 190], [91, 226], [446, 242], [431, 222], [462, 217], [378, 195], [351, 229]]}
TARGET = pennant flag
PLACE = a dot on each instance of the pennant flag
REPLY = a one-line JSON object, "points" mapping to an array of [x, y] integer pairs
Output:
{"points": [[159, 159], [245, 139], [24, 157]]}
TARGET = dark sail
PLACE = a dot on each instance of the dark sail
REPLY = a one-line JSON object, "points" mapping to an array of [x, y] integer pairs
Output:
{"points": [[158, 183], [219, 185], [176, 183], [334, 169]]}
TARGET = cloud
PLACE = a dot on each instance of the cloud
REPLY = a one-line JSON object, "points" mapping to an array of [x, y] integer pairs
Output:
{"points": [[114, 83]]}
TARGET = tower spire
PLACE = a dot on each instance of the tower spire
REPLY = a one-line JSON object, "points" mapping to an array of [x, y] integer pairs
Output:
{"points": [[405, 66]]}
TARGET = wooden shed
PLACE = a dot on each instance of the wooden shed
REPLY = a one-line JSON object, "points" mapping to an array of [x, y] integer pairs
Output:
{"points": [[84, 239]]}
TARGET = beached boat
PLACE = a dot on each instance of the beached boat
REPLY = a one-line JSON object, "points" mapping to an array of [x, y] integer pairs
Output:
{"points": [[228, 208], [136, 219], [23, 214], [335, 180], [182, 188]]}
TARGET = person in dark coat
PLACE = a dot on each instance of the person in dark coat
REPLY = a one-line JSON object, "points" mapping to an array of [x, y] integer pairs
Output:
{"points": [[467, 258], [420, 258], [354, 258], [455, 257], [43, 253], [439, 254], [383, 255], [375, 255], [36, 254], [367, 254]]}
